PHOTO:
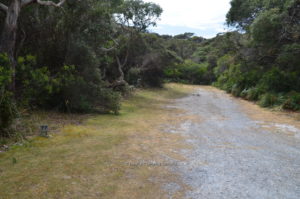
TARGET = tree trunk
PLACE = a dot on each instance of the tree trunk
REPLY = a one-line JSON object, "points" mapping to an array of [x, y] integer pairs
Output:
{"points": [[120, 69], [9, 36], [121, 80]]}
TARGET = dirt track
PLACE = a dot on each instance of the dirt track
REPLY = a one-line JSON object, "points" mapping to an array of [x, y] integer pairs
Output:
{"points": [[206, 145], [238, 150]]}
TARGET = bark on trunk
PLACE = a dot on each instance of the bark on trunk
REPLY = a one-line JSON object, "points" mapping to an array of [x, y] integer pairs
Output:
{"points": [[121, 80], [120, 69], [9, 35]]}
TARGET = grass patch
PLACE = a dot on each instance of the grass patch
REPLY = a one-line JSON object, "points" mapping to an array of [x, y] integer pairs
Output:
{"points": [[85, 160]]}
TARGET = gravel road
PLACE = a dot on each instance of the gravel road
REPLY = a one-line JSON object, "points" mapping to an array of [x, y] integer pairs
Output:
{"points": [[234, 156]]}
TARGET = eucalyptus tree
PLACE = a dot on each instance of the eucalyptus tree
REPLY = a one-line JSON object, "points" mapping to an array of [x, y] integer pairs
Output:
{"points": [[132, 18]]}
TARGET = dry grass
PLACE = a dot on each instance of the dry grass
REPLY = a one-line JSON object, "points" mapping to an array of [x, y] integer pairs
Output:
{"points": [[93, 158]]}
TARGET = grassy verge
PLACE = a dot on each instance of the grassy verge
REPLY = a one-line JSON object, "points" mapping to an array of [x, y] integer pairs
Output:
{"points": [[90, 160]]}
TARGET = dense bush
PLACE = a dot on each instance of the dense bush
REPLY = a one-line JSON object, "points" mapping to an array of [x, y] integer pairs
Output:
{"points": [[134, 76], [152, 77], [34, 84], [187, 72], [252, 94], [9, 112], [275, 80], [268, 99], [77, 95], [8, 108], [292, 101]]}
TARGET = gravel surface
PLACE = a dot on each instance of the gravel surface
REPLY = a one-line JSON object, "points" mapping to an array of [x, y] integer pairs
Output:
{"points": [[234, 156]]}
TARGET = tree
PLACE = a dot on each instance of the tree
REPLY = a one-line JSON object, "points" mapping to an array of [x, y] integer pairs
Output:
{"points": [[133, 17], [187, 35], [9, 32]]}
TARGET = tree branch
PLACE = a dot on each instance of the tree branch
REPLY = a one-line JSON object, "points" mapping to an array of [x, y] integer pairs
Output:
{"points": [[126, 58], [107, 49], [51, 3], [112, 48], [44, 3], [3, 7]]}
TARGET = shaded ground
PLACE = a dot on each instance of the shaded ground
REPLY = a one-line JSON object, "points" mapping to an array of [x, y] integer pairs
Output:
{"points": [[239, 150]]}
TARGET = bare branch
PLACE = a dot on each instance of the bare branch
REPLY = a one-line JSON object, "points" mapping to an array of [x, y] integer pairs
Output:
{"points": [[120, 68], [112, 48], [107, 49], [3, 7], [51, 3]]}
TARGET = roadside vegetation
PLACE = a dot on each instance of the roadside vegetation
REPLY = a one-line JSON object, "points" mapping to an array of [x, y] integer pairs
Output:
{"points": [[84, 57], [92, 72], [258, 62], [95, 159]]}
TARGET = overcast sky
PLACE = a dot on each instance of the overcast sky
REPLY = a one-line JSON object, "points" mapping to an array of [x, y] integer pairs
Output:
{"points": [[203, 17]]}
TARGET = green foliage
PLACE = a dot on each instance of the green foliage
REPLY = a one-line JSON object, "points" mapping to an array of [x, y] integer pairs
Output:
{"points": [[9, 112], [153, 77], [243, 12], [187, 72], [91, 98], [275, 80], [139, 13], [289, 56], [80, 52], [252, 94], [200, 54], [134, 76], [292, 101], [8, 108], [5, 72], [223, 64], [74, 93], [266, 27], [262, 63], [268, 99], [35, 84]]}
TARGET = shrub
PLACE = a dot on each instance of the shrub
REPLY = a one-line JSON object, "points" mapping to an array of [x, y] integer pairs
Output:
{"points": [[223, 64], [8, 112], [275, 81], [268, 100], [252, 93], [289, 56], [188, 72], [75, 94], [152, 76], [292, 101], [236, 90], [133, 76], [8, 108], [34, 84], [109, 100]]}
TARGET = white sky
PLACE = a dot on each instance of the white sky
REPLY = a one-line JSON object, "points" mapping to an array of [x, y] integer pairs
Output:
{"points": [[204, 17]]}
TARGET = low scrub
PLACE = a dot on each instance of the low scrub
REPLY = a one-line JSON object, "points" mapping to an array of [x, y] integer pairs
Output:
{"points": [[188, 72]]}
